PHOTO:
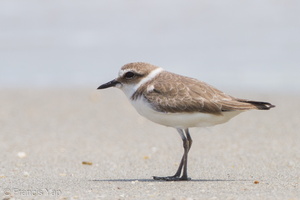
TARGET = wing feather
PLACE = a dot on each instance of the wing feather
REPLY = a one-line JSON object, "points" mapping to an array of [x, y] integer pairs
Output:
{"points": [[175, 93]]}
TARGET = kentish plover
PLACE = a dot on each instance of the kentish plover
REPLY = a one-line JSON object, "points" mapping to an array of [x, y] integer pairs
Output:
{"points": [[177, 101]]}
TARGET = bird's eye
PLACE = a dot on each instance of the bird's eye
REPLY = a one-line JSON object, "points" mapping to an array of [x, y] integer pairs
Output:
{"points": [[129, 75]]}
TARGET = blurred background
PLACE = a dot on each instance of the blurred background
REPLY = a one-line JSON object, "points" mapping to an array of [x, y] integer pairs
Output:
{"points": [[252, 44]]}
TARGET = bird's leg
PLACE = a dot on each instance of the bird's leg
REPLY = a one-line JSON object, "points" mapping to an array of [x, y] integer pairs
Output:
{"points": [[190, 141], [178, 172], [187, 143]]}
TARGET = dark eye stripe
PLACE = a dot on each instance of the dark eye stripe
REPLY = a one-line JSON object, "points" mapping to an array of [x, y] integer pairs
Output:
{"points": [[129, 75]]}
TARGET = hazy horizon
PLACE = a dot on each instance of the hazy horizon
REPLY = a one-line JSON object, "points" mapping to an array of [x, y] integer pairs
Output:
{"points": [[238, 45]]}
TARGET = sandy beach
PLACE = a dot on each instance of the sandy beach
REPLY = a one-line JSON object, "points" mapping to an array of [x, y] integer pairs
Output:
{"points": [[47, 134]]}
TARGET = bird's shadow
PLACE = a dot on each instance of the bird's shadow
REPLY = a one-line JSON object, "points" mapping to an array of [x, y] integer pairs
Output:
{"points": [[152, 180]]}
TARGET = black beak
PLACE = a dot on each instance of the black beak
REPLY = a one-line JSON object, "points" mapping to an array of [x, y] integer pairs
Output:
{"points": [[109, 84]]}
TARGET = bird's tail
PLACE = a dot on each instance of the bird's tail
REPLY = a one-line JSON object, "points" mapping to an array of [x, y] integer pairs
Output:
{"points": [[258, 104]]}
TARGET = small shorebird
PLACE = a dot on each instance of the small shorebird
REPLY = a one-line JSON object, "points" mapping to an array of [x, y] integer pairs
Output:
{"points": [[177, 101]]}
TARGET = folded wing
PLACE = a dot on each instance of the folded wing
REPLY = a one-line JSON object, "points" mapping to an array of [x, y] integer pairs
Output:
{"points": [[177, 94]]}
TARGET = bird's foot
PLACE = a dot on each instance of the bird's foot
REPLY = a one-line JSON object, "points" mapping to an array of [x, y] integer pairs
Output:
{"points": [[171, 178]]}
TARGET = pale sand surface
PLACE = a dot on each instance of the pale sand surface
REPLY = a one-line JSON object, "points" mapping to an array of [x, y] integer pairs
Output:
{"points": [[58, 129]]}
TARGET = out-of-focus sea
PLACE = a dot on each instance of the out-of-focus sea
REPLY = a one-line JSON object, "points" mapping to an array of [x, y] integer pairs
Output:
{"points": [[252, 44]]}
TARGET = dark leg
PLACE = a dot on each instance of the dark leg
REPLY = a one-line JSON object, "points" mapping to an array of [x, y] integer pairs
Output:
{"points": [[188, 137], [187, 143]]}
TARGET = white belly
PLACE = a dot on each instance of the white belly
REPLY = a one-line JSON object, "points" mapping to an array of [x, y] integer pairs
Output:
{"points": [[181, 120]]}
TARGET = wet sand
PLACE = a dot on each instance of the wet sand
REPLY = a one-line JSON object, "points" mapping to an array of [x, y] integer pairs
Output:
{"points": [[46, 134]]}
